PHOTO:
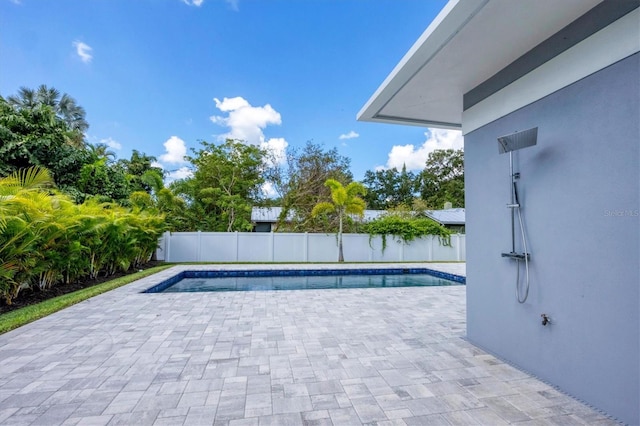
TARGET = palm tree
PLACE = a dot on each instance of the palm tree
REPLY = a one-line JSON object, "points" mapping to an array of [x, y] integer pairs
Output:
{"points": [[345, 201], [101, 151], [64, 106], [23, 219], [26, 98]]}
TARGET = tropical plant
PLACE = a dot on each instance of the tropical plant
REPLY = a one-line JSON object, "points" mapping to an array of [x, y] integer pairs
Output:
{"points": [[345, 200], [142, 172], [46, 239], [36, 137], [23, 222], [64, 106]]}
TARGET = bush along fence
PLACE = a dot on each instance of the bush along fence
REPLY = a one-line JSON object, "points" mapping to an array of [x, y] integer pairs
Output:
{"points": [[304, 247]]}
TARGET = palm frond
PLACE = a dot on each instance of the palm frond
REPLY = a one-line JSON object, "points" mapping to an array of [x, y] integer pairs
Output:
{"points": [[322, 208]]}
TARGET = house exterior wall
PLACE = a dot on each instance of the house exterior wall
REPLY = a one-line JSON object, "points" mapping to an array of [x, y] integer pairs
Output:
{"points": [[262, 227], [580, 196]]}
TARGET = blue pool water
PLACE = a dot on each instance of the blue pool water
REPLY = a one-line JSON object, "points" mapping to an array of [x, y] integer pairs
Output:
{"points": [[198, 281]]}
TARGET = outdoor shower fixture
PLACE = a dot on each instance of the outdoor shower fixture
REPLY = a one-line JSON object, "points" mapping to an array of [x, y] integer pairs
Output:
{"points": [[510, 143]]}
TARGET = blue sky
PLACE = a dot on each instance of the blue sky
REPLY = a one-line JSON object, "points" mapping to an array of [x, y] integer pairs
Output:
{"points": [[160, 75]]}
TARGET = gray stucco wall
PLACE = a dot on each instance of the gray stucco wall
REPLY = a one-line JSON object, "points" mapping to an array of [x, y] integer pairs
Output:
{"points": [[579, 189]]}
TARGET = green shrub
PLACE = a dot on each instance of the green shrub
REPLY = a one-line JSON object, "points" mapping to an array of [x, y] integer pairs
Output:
{"points": [[407, 229]]}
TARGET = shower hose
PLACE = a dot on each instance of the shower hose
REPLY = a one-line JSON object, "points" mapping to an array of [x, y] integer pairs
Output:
{"points": [[522, 298]]}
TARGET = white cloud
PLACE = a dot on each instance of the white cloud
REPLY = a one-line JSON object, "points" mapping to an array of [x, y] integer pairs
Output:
{"points": [[415, 158], [245, 122], [277, 147], [84, 51], [349, 135], [181, 173], [268, 190], [196, 3], [175, 151], [111, 143]]}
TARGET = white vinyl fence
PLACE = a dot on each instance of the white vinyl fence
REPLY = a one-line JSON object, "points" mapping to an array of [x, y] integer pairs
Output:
{"points": [[290, 247]]}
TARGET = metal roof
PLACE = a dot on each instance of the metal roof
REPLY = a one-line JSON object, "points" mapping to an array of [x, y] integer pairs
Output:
{"points": [[265, 214], [448, 216], [445, 217]]}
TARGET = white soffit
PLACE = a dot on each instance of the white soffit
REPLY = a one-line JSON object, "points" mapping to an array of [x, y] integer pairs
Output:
{"points": [[607, 46], [466, 44]]}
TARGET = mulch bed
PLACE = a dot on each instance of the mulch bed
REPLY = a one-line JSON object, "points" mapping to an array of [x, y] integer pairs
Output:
{"points": [[31, 297]]}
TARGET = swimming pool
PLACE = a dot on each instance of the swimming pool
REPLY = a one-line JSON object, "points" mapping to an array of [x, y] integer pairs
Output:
{"points": [[305, 279]]}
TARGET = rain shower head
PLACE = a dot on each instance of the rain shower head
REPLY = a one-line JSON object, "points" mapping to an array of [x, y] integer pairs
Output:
{"points": [[518, 140]]}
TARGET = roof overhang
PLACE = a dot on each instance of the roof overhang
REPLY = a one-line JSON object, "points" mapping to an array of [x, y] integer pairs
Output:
{"points": [[466, 44]]}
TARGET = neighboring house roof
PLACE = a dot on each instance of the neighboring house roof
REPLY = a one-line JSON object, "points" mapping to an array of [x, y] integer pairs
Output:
{"points": [[444, 217], [370, 215], [466, 46], [265, 214], [271, 214], [447, 216]]}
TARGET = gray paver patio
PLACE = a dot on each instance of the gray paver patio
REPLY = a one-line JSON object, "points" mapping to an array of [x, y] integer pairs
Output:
{"points": [[388, 356]]}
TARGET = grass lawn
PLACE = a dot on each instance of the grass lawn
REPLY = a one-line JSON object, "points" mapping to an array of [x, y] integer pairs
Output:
{"points": [[20, 317]]}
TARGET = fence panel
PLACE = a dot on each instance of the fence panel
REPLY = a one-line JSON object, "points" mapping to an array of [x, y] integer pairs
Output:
{"points": [[420, 248], [355, 248], [183, 247], [255, 247], [445, 253], [322, 248], [216, 246], [290, 247]]}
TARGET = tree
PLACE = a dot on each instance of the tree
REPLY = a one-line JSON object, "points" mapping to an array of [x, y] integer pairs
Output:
{"points": [[443, 178], [301, 184], [227, 182], [106, 181], [64, 106], [37, 137], [44, 129], [345, 201], [101, 151], [389, 188], [142, 175], [31, 134]]}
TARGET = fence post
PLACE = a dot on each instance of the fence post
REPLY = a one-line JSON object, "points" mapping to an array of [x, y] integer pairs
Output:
{"points": [[199, 250], [430, 259], [458, 247], [167, 246], [271, 246], [401, 251], [306, 247], [237, 246]]}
